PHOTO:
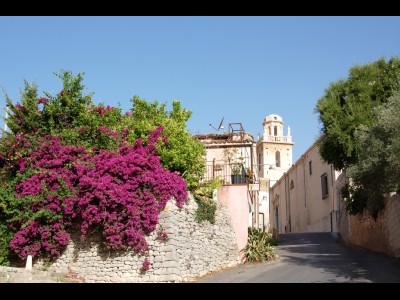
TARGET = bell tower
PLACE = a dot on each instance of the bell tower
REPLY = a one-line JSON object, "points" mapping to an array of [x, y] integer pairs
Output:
{"points": [[274, 158], [274, 149]]}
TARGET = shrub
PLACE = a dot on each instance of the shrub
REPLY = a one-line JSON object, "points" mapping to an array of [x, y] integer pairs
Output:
{"points": [[206, 209], [259, 246], [72, 115], [145, 265], [204, 198], [66, 160], [121, 193]]}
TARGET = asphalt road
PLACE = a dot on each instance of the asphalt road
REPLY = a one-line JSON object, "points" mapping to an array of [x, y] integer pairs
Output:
{"points": [[314, 257]]}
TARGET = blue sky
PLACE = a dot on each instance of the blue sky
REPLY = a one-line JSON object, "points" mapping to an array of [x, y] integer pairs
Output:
{"points": [[242, 68]]}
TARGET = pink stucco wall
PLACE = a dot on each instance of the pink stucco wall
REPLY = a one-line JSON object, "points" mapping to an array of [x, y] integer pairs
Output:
{"points": [[235, 197]]}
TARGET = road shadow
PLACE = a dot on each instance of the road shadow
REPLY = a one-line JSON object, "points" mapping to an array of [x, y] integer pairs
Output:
{"points": [[338, 262]]}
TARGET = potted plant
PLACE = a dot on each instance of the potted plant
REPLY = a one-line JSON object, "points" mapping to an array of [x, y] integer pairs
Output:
{"points": [[237, 175], [236, 162], [250, 176]]}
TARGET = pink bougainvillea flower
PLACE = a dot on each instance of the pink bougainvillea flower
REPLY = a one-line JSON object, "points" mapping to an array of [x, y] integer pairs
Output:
{"points": [[122, 193]]}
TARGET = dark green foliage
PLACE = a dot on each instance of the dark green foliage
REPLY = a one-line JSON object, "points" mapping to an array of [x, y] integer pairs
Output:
{"points": [[204, 198], [360, 132], [349, 103], [206, 209], [377, 171], [259, 245], [6, 236], [71, 114], [10, 207], [64, 109], [51, 115], [182, 153]]}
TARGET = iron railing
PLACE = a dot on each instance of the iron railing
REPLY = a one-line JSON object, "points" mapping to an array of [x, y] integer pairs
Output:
{"points": [[229, 173]]}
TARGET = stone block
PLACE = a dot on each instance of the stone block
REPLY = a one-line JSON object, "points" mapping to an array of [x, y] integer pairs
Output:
{"points": [[171, 256], [159, 258], [166, 248], [157, 265], [154, 278], [170, 264], [167, 278], [158, 271]]}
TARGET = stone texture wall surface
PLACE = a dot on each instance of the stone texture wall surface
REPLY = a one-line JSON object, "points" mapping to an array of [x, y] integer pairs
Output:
{"points": [[21, 275], [381, 235], [193, 249], [343, 219]]}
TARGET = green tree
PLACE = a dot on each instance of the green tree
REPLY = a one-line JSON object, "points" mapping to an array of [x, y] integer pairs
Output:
{"points": [[63, 110], [72, 115], [377, 170], [349, 103], [182, 153], [25, 116], [51, 115]]}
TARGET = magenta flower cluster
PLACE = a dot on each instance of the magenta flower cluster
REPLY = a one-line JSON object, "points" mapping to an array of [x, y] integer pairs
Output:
{"points": [[146, 265], [108, 131], [102, 110], [43, 100], [36, 239], [162, 235], [121, 193]]}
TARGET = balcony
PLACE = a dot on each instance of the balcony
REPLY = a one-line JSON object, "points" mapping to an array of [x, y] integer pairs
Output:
{"points": [[277, 138], [228, 174]]}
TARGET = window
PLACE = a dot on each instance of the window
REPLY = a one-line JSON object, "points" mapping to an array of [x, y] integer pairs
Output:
{"points": [[324, 186], [292, 184], [278, 159], [269, 130], [259, 161], [275, 130], [310, 167]]}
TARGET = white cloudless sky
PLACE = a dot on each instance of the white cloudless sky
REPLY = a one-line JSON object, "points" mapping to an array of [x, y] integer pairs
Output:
{"points": [[240, 68]]}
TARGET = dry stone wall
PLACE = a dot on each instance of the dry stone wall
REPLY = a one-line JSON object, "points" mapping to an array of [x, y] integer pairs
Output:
{"points": [[381, 235], [20, 275], [193, 249]]}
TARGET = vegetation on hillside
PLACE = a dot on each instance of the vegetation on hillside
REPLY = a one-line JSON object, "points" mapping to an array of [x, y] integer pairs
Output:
{"points": [[349, 103], [68, 161], [355, 114], [377, 171]]}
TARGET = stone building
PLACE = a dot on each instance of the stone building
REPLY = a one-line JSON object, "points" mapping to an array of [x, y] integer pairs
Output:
{"points": [[306, 198], [274, 158], [236, 158], [299, 197], [229, 154]]}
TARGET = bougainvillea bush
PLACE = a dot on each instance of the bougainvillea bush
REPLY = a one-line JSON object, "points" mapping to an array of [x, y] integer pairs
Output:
{"points": [[66, 162], [72, 115], [120, 193]]}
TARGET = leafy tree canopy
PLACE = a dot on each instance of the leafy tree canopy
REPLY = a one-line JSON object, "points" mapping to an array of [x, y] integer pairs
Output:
{"points": [[349, 103], [72, 115], [66, 159], [377, 170]]}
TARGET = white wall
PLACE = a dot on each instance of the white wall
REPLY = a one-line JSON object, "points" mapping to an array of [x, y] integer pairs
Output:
{"points": [[298, 196]]}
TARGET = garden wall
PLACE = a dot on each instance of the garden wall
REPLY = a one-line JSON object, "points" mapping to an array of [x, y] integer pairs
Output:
{"points": [[381, 235], [193, 249]]}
